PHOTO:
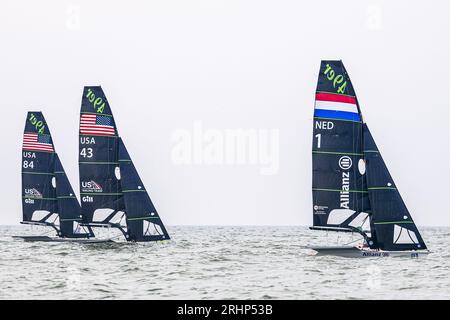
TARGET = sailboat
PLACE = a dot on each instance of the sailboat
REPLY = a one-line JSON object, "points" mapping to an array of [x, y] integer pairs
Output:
{"points": [[47, 196], [352, 188], [112, 193]]}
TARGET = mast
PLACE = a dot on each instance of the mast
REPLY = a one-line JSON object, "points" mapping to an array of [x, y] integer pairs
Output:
{"points": [[112, 194]]}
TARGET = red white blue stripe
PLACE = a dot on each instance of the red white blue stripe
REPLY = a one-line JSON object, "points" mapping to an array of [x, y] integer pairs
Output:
{"points": [[336, 106]]}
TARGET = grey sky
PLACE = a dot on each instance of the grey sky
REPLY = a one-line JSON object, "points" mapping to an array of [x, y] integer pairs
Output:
{"points": [[166, 65]]}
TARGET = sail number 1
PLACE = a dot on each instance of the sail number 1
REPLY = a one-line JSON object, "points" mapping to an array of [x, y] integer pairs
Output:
{"points": [[338, 80], [319, 140]]}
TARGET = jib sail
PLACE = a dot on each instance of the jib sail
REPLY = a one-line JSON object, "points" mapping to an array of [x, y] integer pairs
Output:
{"points": [[47, 196], [111, 190], [392, 224], [340, 196], [143, 221]]}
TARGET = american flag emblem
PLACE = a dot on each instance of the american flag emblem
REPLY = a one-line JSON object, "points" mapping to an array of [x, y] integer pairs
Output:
{"points": [[92, 124], [37, 142]]}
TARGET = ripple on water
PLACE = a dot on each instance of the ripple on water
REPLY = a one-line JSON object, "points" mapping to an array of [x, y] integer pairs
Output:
{"points": [[217, 263]]}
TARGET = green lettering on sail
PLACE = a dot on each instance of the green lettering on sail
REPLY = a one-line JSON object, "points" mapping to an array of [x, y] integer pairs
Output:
{"points": [[97, 102], [39, 125], [338, 80]]}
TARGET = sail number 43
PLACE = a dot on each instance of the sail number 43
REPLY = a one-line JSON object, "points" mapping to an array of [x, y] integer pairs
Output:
{"points": [[338, 80], [86, 153]]}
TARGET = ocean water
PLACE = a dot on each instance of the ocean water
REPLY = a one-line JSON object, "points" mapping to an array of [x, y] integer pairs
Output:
{"points": [[217, 263]]}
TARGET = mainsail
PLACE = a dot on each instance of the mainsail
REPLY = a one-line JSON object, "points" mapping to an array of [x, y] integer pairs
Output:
{"points": [[352, 188], [112, 194], [47, 196]]}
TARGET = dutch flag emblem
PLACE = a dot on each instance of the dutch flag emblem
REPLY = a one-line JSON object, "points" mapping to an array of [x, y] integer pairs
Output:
{"points": [[336, 106]]}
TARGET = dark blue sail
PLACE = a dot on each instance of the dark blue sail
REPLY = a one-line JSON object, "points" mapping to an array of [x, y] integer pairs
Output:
{"points": [[340, 196], [143, 221], [38, 186], [100, 190], [69, 209], [47, 196], [392, 224], [108, 186]]}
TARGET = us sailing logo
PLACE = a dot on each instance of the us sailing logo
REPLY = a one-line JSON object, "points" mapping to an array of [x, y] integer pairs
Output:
{"points": [[345, 163], [33, 193], [90, 186]]}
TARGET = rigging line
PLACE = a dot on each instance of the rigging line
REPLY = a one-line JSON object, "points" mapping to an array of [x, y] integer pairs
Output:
{"points": [[364, 221], [353, 241], [116, 237], [154, 226], [146, 230], [46, 232]]}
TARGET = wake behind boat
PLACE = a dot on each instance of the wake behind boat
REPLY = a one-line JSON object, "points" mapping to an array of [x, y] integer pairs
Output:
{"points": [[47, 197], [353, 190]]}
